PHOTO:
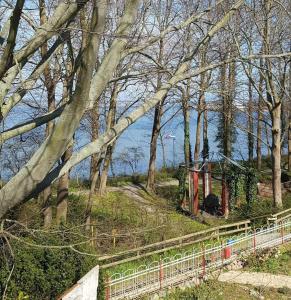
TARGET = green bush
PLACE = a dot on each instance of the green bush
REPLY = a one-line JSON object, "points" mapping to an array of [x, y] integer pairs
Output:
{"points": [[40, 273]]}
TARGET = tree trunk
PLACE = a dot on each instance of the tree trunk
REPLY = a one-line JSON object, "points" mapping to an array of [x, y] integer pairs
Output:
{"points": [[93, 185], [153, 147], [110, 122], [205, 135], [197, 137], [259, 124], [94, 135], [150, 185], [105, 170], [250, 124], [186, 119], [289, 125], [50, 85], [63, 190], [201, 106], [276, 156]]}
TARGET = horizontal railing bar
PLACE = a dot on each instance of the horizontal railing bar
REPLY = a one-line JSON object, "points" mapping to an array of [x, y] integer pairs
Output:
{"points": [[173, 240]]}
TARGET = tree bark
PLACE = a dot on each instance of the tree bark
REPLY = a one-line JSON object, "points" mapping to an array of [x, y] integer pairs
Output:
{"points": [[276, 156], [105, 169], [250, 122], [153, 147], [150, 185], [7, 56], [110, 122], [63, 190], [259, 124], [289, 120], [94, 135], [50, 85], [201, 107]]}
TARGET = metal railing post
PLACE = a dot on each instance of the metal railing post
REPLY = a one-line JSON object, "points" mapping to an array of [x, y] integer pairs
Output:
{"points": [[204, 262], [254, 241], [107, 290], [282, 232], [161, 274]]}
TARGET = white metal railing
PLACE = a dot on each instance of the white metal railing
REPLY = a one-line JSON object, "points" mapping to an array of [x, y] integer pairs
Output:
{"points": [[192, 265]]}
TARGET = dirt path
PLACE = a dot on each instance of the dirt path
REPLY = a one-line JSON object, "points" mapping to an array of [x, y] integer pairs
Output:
{"points": [[256, 279], [133, 192]]}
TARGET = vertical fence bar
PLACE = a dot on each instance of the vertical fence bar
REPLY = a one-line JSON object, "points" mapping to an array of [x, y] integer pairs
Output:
{"points": [[161, 274], [254, 241], [107, 291], [282, 232], [221, 252], [204, 262]]}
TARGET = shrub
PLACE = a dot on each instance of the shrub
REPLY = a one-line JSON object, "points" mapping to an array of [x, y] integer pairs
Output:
{"points": [[40, 273]]}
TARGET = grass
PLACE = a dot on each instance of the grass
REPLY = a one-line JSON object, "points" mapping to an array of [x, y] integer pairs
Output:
{"points": [[214, 290], [278, 263]]}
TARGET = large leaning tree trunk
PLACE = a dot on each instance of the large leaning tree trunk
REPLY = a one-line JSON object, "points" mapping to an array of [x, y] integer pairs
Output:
{"points": [[28, 178], [64, 180]]}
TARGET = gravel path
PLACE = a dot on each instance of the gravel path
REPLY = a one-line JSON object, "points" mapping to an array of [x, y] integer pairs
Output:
{"points": [[256, 279]]}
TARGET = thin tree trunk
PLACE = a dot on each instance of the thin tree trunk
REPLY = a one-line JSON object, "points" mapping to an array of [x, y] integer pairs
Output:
{"points": [[94, 135], [205, 134], [250, 123], [93, 185], [163, 150], [289, 125], [201, 107], [105, 170], [110, 122], [197, 136], [153, 147], [259, 124], [276, 156], [229, 115], [63, 190], [156, 130], [186, 119]]}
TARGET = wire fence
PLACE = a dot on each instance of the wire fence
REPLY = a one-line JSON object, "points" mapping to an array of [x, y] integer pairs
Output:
{"points": [[193, 265]]}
